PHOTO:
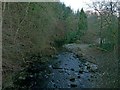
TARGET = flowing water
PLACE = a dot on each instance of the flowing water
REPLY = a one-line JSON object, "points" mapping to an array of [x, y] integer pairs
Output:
{"points": [[65, 70], [68, 71]]}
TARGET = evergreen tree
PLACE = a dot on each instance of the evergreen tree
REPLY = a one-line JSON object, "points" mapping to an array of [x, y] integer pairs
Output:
{"points": [[82, 24]]}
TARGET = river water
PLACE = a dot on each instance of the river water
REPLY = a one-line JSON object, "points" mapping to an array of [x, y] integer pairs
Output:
{"points": [[68, 71]]}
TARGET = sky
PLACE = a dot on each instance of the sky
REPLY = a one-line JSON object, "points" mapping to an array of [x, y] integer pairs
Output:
{"points": [[77, 4]]}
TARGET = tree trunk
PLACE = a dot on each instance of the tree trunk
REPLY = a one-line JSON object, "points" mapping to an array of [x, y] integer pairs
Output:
{"points": [[100, 33]]}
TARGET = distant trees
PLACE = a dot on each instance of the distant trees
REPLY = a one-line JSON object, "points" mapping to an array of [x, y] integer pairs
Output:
{"points": [[107, 23], [82, 23]]}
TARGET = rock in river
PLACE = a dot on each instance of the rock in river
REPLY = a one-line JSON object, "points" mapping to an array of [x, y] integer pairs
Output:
{"points": [[73, 85], [72, 79]]}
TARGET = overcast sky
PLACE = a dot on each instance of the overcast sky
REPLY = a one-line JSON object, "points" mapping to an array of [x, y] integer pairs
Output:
{"points": [[77, 4]]}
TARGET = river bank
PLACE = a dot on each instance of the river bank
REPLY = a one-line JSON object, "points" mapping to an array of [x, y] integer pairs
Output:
{"points": [[74, 66], [107, 63], [63, 70]]}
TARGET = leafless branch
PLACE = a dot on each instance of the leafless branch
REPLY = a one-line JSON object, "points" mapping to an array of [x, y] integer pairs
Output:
{"points": [[26, 12], [4, 5]]}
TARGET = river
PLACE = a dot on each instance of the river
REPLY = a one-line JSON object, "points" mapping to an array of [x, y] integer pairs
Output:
{"points": [[68, 71]]}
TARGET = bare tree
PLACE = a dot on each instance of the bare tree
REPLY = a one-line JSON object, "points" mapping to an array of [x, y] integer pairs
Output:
{"points": [[26, 12], [99, 8], [106, 12]]}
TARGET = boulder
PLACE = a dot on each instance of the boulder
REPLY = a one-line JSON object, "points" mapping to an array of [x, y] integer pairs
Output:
{"points": [[92, 67]]}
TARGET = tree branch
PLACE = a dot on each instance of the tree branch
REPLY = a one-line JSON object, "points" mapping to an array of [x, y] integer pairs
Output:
{"points": [[21, 22]]}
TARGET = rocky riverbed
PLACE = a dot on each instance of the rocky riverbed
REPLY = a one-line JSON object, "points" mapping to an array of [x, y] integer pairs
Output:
{"points": [[77, 66], [68, 71], [64, 70]]}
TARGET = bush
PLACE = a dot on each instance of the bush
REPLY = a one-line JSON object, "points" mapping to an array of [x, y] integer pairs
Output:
{"points": [[59, 42], [107, 46], [71, 37]]}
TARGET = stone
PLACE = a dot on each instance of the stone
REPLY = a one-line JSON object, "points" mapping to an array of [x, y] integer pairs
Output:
{"points": [[78, 76], [85, 69], [73, 85], [50, 66], [52, 80], [93, 68], [80, 71], [80, 66], [72, 69], [88, 79], [72, 79]]}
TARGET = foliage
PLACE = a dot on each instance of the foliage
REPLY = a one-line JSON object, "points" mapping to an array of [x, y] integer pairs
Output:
{"points": [[39, 28], [71, 37], [82, 24], [33, 28]]}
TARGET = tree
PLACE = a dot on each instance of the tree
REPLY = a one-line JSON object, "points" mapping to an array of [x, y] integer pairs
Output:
{"points": [[82, 23], [33, 28], [107, 22]]}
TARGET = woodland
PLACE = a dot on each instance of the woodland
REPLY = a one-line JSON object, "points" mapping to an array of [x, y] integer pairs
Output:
{"points": [[34, 34]]}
